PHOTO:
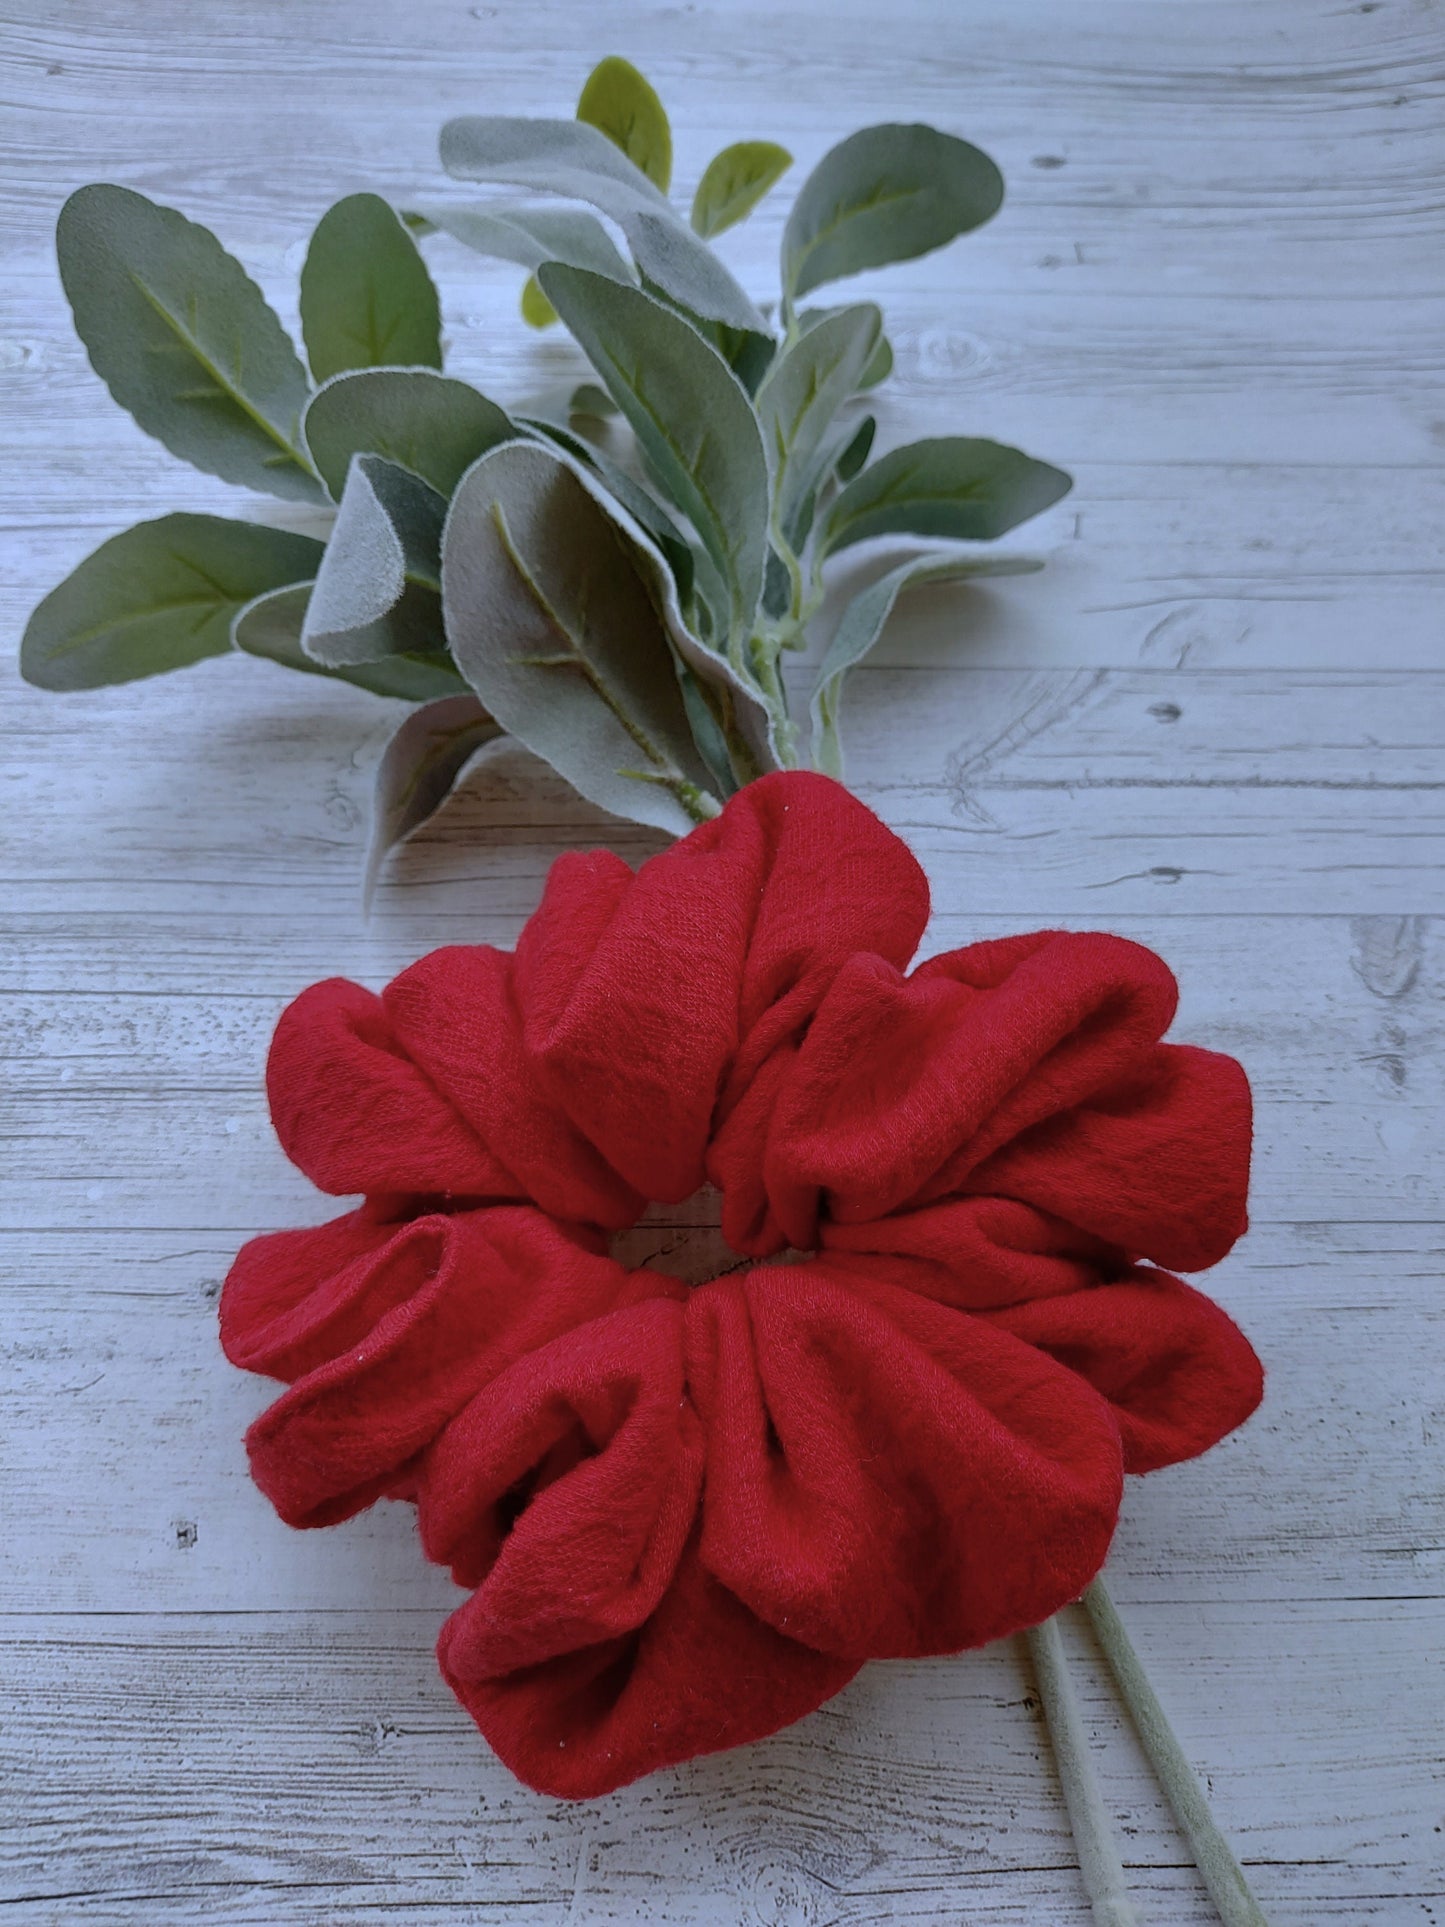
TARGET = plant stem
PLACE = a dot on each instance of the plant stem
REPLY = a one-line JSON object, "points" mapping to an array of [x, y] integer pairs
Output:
{"points": [[1222, 1873], [1099, 1864]]}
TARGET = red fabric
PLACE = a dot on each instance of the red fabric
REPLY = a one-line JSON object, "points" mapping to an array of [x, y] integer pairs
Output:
{"points": [[685, 1515]]}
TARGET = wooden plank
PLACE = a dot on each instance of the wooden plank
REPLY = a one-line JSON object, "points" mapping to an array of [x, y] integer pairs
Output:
{"points": [[315, 1766]]}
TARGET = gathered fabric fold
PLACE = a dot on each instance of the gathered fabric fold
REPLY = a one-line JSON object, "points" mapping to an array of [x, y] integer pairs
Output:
{"points": [[685, 1514]]}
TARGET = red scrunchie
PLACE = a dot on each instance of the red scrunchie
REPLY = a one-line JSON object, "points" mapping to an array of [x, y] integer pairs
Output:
{"points": [[687, 1514]]}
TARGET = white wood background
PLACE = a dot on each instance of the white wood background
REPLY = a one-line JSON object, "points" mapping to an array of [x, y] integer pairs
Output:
{"points": [[1214, 724]]}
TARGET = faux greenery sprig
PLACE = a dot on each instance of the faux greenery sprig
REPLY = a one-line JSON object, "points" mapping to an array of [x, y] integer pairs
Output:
{"points": [[618, 594]]}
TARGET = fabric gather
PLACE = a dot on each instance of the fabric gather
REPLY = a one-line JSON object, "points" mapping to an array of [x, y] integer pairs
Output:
{"points": [[686, 1514]]}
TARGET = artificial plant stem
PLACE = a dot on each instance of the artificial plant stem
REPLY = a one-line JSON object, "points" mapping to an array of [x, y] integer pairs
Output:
{"points": [[1222, 1873], [1099, 1864]]}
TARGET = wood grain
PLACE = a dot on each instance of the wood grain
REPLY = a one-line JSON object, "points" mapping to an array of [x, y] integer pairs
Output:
{"points": [[1215, 723]]}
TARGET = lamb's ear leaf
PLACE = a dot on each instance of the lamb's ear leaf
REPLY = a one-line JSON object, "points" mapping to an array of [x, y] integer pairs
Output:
{"points": [[553, 620], [568, 157], [184, 339], [367, 300], [693, 421], [855, 451], [639, 502], [508, 231], [159, 596], [954, 486], [271, 625], [426, 422], [420, 767], [620, 103], [801, 394], [886, 193], [377, 590], [862, 623], [733, 183]]}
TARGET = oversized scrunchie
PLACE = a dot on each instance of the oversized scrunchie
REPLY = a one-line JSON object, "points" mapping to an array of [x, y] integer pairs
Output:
{"points": [[687, 1514]]}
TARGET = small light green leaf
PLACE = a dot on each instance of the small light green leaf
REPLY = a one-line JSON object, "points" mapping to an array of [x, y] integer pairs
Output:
{"points": [[183, 338], [156, 598], [377, 589], [568, 157], [420, 767], [367, 300], [801, 394], [734, 182], [863, 621], [554, 621], [529, 236], [537, 310], [954, 486], [271, 627], [887, 193], [427, 422], [692, 419], [621, 104]]}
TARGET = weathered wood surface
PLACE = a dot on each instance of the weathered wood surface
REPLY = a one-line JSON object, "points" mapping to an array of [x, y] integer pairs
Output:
{"points": [[1215, 723]]}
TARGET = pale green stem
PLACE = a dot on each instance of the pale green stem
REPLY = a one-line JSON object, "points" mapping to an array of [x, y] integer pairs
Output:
{"points": [[1222, 1873], [1099, 1864]]}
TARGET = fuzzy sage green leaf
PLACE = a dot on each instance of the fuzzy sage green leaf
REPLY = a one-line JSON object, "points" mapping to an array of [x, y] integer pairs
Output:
{"points": [[530, 235], [570, 158], [733, 183], [420, 767], [692, 419], [622, 105], [862, 624], [183, 338], [377, 591], [802, 393], [953, 486], [887, 193], [367, 300], [554, 624], [271, 626], [428, 423], [159, 596]]}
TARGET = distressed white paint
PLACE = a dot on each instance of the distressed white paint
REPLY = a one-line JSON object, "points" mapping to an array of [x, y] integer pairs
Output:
{"points": [[1215, 724]]}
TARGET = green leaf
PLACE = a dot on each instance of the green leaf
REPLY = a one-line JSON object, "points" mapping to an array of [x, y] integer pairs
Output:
{"points": [[954, 486], [183, 338], [156, 598], [367, 300], [863, 621], [692, 419], [568, 157], [855, 450], [271, 627], [622, 105], [420, 767], [638, 501], [734, 182], [376, 591], [427, 422], [531, 235], [802, 393], [554, 620], [887, 193], [881, 366], [537, 310]]}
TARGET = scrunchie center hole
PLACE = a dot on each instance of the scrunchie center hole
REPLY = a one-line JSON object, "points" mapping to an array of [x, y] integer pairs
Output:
{"points": [[686, 1241]]}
